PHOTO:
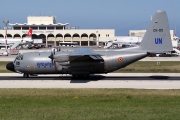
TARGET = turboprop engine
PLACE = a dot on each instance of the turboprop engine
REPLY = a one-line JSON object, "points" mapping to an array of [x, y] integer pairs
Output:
{"points": [[60, 57]]}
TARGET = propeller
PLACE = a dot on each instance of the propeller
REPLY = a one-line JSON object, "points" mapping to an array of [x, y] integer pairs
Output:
{"points": [[52, 54]]}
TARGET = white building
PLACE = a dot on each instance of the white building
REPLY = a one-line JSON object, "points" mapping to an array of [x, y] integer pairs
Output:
{"points": [[141, 33], [46, 28]]}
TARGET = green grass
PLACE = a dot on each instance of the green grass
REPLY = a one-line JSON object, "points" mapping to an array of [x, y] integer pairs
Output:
{"points": [[3, 67], [89, 104], [152, 67]]}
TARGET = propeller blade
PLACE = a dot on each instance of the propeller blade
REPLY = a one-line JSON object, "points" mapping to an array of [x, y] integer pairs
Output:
{"points": [[52, 54]]}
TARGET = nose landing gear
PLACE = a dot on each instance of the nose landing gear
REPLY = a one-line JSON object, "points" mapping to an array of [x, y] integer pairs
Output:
{"points": [[25, 75]]}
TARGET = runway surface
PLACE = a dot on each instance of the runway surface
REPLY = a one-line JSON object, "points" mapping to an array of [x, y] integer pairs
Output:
{"points": [[111, 80]]}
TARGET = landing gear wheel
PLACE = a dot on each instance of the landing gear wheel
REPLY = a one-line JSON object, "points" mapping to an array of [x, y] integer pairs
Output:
{"points": [[25, 75], [80, 76], [75, 76], [86, 76]]}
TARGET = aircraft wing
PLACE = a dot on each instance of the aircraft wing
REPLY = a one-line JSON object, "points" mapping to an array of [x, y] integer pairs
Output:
{"points": [[83, 53], [80, 55]]}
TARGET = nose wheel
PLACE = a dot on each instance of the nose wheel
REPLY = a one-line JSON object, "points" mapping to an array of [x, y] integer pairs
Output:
{"points": [[25, 75]]}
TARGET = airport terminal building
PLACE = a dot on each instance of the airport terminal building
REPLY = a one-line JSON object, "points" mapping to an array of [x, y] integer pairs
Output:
{"points": [[52, 33], [141, 33], [46, 28]]}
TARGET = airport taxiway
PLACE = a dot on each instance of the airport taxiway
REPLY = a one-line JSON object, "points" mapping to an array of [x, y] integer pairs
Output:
{"points": [[110, 80]]}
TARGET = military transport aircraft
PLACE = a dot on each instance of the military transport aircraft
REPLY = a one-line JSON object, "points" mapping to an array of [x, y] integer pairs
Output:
{"points": [[84, 61]]}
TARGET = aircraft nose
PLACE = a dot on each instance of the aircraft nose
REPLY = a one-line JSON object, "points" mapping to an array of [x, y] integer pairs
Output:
{"points": [[10, 66]]}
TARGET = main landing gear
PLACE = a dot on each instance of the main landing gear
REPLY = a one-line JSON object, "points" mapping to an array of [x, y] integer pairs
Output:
{"points": [[80, 76], [25, 75]]}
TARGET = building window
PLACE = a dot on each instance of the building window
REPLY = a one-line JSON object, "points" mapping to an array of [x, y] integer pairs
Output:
{"points": [[132, 34], [25, 28], [34, 27], [17, 28], [50, 27], [59, 27], [42, 28]]}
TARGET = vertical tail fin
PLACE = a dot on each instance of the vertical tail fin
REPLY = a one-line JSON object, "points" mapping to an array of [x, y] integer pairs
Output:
{"points": [[157, 37], [29, 34]]}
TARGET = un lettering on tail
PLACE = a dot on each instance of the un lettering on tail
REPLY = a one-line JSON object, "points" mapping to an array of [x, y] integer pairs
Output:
{"points": [[158, 40], [157, 37]]}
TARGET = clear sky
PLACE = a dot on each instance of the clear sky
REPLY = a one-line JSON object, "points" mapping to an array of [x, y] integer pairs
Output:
{"points": [[121, 15]]}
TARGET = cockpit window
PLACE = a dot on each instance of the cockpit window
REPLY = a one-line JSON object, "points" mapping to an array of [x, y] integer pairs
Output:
{"points": [[19, 57], [17, 63]]}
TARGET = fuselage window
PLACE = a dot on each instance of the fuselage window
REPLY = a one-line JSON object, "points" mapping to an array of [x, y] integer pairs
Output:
{"points": [[19, 57], [17, 63], [14, 61]]}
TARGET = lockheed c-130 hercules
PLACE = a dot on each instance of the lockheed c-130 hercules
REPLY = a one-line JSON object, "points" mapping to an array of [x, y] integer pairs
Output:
{"points": [[84, 61]]}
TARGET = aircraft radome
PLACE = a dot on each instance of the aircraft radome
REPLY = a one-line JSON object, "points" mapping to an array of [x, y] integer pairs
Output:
{"points": [[84, 61]]}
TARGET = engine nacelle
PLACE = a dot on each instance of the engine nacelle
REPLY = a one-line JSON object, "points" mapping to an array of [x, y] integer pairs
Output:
{"points": [[61, 58]]}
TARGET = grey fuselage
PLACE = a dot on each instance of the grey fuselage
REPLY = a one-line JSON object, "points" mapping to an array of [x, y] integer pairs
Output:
{"points": [[85, 61], [105, 62]]}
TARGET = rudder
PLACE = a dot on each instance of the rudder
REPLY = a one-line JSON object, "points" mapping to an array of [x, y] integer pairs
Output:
{"points": [[157, 37]]}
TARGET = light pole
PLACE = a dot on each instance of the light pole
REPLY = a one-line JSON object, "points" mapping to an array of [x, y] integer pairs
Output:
{"points": [[97, 38], [6, 23], [175, 17]]}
